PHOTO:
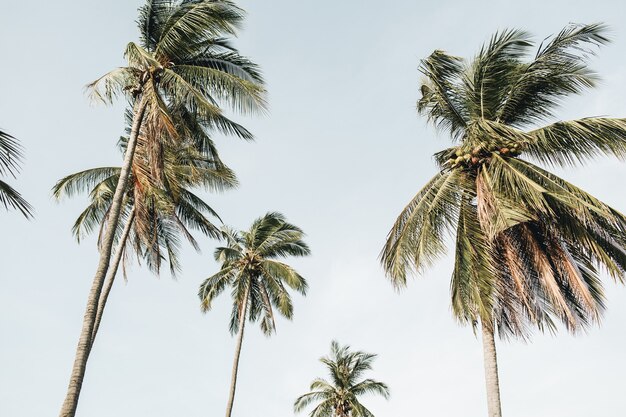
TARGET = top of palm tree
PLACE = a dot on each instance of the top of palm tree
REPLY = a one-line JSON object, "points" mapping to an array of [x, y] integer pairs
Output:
{"points": [[184, 62], [529, 246], [492, 100], [160, 212], [251, 265], [339, 396]]}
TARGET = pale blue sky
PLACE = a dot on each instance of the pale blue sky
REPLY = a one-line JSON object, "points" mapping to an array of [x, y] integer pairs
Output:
{"points": [[340, 154]]}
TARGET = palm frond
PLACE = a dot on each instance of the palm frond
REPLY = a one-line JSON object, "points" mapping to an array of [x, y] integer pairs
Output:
{"points": [[558, 70], [577, 141], [418, 236], [84, 181], [442, 95], [492, 70], [112, 84], [11, 154], [10, 198], [192, 21]]}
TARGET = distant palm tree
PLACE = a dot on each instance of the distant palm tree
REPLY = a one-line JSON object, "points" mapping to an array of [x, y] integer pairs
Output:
{"points": [[250, 266], [529, 245], [340, 396], [10, 158], [182, 69], [152, 218]]}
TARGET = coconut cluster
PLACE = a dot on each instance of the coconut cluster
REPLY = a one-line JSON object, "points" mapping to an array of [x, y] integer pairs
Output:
{"points": [[481, 153]]}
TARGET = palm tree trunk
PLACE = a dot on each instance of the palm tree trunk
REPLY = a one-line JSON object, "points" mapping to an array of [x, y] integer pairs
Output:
{"points": [[68, 409], [106, 290], [242, 323], [494, 407]]}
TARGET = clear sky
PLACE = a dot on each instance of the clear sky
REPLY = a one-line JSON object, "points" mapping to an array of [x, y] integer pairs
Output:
{"points": [[340, 154]]}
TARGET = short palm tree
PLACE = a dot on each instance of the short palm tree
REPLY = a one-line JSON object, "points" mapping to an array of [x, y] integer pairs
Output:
{"points": [[529, 245], [340, 396], [10, 158], [250, 266], [182, 69]]}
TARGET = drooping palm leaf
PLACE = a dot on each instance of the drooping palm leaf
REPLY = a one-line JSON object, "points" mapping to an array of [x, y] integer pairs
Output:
{"points": [[10, 159]]}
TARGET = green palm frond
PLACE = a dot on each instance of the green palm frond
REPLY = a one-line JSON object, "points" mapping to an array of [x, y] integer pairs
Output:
{"points": [[11, 154], [558, 70], [244, 94], [492, 71], [214, 285], [304, 400], [442, 94], [191, 22], [112, 84], [83, 181], [577, 141], [10, 198], [418, 236]]}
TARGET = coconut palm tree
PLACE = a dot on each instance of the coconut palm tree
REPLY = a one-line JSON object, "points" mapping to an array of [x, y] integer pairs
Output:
{"points": [[152, 218], [182, 68], [340, 396], [10, 158], [529, 245], [250, 266]]}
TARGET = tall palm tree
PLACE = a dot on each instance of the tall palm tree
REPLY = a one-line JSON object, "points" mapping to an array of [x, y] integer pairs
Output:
{"points": [[10, 158], [529, 245], [250, 266], [340, 396], [152, 218], [183, 68]]}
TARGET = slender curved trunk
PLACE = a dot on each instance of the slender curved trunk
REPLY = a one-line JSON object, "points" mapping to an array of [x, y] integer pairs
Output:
{"points": [[68, 409], [494, 407], [112, 272], [233, 384]]}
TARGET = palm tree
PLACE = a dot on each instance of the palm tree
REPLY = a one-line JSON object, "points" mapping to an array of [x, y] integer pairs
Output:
{"points": [[182, 69], [250, 267], [10, 158], [339, 398], [529, 245], [152, 218]]}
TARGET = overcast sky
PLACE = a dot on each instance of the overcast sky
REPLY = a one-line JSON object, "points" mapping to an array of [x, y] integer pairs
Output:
{"points": [[340, 154]]}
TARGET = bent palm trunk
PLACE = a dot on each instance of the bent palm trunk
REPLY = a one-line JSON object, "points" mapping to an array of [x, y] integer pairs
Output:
{"points": [[68, 409], [117, 258], [242, 322], [491, 373]]}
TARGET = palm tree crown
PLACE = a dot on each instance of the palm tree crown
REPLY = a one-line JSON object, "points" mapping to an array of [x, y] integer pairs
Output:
{"points": [[339, 397], [250, 266], [184, 68], [529, 245], [159, 215]]}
